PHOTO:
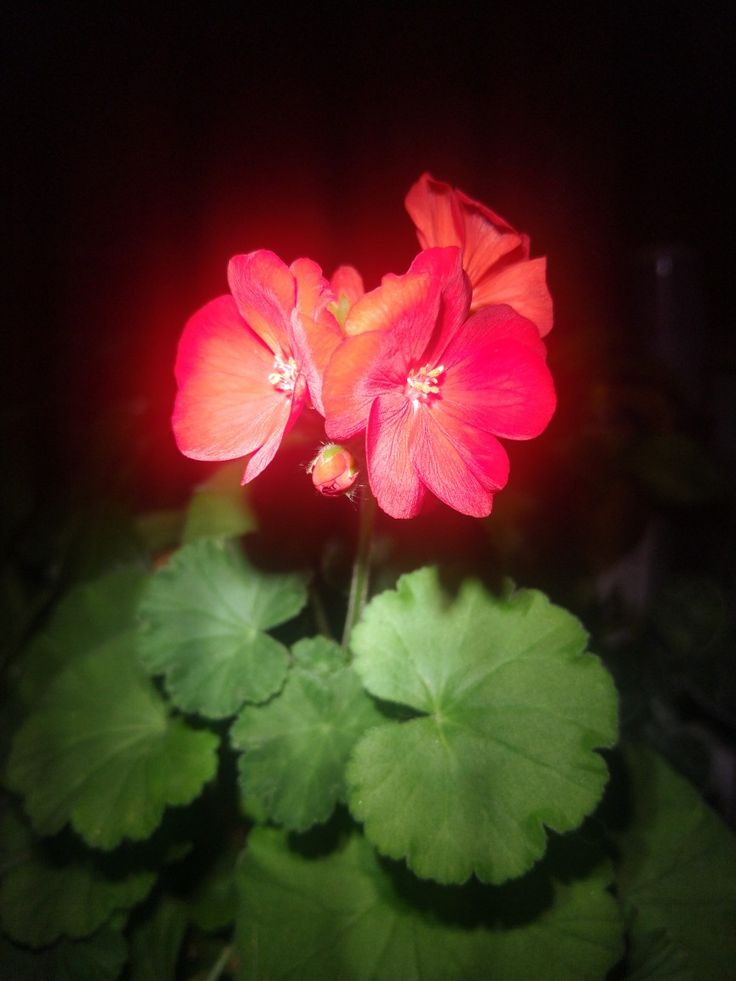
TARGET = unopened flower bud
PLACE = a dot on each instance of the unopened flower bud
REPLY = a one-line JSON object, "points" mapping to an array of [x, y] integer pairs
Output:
{"points": [[333, 470]]}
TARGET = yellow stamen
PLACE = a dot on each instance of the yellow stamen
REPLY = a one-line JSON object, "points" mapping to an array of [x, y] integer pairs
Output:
{"points": [[424, 381], [284, 374]]}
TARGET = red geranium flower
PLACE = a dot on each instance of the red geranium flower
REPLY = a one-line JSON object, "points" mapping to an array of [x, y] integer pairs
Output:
{"points": [[495, 256], [434, 388], [247, 363]]}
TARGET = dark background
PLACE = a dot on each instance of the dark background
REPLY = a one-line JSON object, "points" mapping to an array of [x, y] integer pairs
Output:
{"points": [[147, 145]]}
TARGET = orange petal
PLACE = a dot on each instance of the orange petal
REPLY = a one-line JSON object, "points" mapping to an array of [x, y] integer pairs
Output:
{"points": [[264, 290], [225, 407], [350, 387], [433, 209], [485, 243], [396, 297], [347, 281], [523, 286], [393, 479]]}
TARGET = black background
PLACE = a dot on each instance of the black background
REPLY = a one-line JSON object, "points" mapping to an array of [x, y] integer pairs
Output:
{"points": [[147, 145]]}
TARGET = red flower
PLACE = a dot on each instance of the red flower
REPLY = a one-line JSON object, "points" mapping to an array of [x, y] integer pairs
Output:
{"points": [[433, 389], [247, 363], [495, 256]]}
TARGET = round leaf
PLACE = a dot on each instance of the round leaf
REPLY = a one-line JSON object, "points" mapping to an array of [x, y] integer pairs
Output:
{"points": [[103, 753], [42, 900], [100, 957], [678, 871], [204, 617], [219, 507], [295, 748], [88, 615], [348, 915], [510, 709]]}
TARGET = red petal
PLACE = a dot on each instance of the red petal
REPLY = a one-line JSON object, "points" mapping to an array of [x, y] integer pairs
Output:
{"points": [[433, 209], [265, 293], [497, 322], [347, 281], [496, 380], [315, 342], [461, 466], [282, 420], [445, 216], [486, 243], [313, 292], [469, 205], [523, 285], [444, 267], [225, 407], [396, 298], [391, 473], [352, 383]]}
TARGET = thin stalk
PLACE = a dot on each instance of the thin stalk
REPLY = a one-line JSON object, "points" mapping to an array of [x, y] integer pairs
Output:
{"points": [[320, 614], [220, 964], [361, 565]]}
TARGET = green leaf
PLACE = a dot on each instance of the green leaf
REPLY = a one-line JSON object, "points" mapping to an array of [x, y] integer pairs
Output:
{"points": [[296, 747], [219, 506], [99, 958], [203, 621], [351, 916], [654, 957], [103, 753], [41, 900], [211, 905], [511, 710], [155, 944], [678, 869], [96, 539], [87, 616], [159, 530]]}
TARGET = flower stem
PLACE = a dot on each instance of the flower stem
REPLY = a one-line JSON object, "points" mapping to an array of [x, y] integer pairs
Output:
{"points": [[220, 964], [361, 565]]}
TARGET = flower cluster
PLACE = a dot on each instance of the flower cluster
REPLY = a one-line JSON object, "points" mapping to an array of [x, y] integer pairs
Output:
{"points": [[432, 366]]}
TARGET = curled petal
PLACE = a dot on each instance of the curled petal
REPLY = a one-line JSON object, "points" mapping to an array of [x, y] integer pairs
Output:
{"points": [[264, 289], [445, 216], [433, 207], [313, 292], [495, 255], [488, 239], [523, 286]]}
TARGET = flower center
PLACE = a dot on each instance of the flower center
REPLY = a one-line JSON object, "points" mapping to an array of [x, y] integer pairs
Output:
{"points": [[283, 374], [423, 382]]}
